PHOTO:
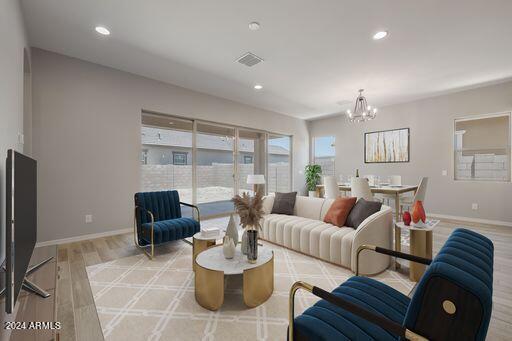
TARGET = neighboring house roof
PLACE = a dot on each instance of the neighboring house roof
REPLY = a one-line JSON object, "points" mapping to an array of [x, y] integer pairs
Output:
{"points": [[176, 138]]}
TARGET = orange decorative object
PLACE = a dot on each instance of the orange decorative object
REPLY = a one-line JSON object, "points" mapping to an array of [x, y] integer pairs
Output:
{"points": [[407, 218], [418, 212]]}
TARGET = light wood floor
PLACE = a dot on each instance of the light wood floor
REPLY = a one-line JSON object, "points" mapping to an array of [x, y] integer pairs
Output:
{"points": [[77, 312]]}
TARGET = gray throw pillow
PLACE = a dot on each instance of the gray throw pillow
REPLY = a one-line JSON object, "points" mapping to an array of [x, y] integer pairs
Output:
{"points": [[284, 203], [362, 210]]}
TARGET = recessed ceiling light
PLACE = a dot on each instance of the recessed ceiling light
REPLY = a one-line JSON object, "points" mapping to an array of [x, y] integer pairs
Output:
{"points": [[254, 26], [258, 87], [102, 30], [379, 35]]}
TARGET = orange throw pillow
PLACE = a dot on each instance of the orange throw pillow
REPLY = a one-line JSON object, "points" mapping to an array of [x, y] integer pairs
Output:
{"points": [[339, 210]]}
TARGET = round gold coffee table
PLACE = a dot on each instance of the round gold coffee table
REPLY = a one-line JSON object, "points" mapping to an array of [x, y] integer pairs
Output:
{"points": [[211, 267]]}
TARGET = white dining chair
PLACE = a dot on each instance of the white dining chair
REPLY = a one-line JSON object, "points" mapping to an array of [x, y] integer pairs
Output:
{"points": [[331, 190], [360, 188], [371, 179], [394, 180], [420, 194]]}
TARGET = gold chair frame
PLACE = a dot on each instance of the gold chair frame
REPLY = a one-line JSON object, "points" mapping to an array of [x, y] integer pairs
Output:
{"points": [[151, 245]]}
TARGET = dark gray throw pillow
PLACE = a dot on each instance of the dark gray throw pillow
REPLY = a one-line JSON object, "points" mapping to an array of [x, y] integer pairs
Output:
{"points": [[362, 210], [284, 203]]}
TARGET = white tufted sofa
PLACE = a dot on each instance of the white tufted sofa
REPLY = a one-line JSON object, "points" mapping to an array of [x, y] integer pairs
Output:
{"points": [[306, 232]]}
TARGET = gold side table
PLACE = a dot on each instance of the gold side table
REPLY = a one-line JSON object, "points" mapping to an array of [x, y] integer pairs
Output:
{"points": [[420, 241], [201, 243], [212, 268]]}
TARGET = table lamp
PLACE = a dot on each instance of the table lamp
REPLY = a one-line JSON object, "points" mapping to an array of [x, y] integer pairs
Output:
{"points": [[255, 180]]}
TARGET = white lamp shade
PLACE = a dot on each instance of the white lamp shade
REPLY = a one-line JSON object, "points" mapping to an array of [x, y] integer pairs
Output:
{"points": [[255, 179]]}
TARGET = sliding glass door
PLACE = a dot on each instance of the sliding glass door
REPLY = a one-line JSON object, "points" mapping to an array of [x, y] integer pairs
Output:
{"points": [[209, 163], [251, 158], [215, 171], [279, 163], [166, 155]]}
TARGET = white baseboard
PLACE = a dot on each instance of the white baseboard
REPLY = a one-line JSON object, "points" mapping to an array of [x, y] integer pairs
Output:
{"points": [[84, 237], [121, 231], [471, 220]]}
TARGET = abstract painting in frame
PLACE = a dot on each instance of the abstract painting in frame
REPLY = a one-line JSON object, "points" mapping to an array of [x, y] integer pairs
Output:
{"points": [[387, 146]]}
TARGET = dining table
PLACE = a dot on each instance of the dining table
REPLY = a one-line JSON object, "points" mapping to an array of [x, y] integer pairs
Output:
{"points": [[383, 188]]}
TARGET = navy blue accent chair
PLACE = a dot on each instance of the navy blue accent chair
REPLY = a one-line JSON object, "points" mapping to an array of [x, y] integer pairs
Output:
{"points": [[158, 219], [452, 301]]}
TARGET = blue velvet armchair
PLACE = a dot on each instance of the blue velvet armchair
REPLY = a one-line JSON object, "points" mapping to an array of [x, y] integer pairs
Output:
{"points": [[452, 301], [158, 220]]}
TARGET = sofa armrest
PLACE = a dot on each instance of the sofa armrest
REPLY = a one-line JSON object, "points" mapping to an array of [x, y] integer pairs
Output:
{"points": [[268, 202], [377, 230]]}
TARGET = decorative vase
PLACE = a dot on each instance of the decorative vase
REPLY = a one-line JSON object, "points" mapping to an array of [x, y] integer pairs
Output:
{"points": [[232, 230], [244, 247], [252, 241], [312, 194], [407, 218], [228, 247], [418, 212]]}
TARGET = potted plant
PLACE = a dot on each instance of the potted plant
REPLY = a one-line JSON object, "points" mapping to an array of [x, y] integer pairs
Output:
{"points": [[313, 173]]}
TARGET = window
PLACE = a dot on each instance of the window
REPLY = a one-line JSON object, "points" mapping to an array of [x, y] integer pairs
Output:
{"points": [[247, 159], [482, 148], [324, 153], [207, 163], [279, 163], [179, 158]]}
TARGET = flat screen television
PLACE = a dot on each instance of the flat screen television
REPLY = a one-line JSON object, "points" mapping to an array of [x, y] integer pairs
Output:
{"points": [[21, 221]]}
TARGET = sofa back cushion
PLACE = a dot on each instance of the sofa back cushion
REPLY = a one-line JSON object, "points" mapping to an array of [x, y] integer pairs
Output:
{"points": [[325, 207], [284, 203], [453, 299], [307, 207], [339, 210], [362, 210]]}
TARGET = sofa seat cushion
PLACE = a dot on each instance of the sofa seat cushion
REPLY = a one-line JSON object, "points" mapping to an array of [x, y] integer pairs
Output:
{"points": [[310, 236], [169, 230], [325, 321]]}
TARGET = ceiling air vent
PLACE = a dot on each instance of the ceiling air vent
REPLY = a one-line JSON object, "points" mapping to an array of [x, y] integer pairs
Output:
{"points": [[249, 59]]}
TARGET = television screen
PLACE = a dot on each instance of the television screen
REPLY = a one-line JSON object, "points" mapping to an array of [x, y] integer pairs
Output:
{"points": [[21, 221]]}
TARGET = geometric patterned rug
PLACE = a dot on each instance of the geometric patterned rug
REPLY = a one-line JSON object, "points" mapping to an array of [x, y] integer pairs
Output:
{"points": [[140, 299]]}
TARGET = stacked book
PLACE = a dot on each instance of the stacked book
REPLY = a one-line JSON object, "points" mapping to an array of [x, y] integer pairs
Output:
{"points": [[210, 231]]}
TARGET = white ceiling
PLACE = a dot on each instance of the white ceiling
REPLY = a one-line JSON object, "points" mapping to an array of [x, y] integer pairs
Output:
{"points": [[317, 53]]}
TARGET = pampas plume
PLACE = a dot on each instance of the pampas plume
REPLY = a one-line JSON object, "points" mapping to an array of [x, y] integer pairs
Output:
{"points": [[250, 209]]}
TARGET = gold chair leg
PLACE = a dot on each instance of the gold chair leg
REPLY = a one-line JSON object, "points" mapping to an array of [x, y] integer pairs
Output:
{"points": [[151, 254]]}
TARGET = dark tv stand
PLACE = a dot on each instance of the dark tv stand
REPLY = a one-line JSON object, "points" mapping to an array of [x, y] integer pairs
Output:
{"points": [[29, 285]]}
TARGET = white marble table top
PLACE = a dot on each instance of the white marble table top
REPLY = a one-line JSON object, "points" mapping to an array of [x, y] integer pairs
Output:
{"points": [[401, 225], [200, 236], [213, 259]]}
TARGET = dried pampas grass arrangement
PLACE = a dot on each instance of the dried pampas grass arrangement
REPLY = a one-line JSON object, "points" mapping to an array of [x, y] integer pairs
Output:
{"points": [[250, 209]]}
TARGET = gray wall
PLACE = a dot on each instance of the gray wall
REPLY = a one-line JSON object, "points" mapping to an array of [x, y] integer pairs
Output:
{"points": [[86, 136], [12, 43], [431, 150]]}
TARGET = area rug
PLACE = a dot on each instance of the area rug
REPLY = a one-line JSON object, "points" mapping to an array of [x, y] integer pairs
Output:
{"points": [[141, 299]]}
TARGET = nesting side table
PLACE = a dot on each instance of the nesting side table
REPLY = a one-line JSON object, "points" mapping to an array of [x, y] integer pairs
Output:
{"points": [[420, 245], [201, 243]]}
